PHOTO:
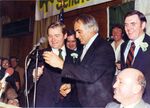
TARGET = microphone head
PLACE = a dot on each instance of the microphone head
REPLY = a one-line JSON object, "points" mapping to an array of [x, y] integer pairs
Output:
{"points": [[9, 71], [42, 40]]}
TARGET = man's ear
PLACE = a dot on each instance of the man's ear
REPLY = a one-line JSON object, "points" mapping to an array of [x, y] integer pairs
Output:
{"points": [[65, 35], [137, 88], [143, 25]]}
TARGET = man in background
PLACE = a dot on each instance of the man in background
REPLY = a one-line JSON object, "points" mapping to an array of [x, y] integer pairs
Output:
{"points": [[117, 34], [14, 62], [135, 53], [72, 42]]}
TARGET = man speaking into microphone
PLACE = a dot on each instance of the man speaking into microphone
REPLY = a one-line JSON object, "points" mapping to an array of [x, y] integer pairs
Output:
{"points": [[49, 79]]}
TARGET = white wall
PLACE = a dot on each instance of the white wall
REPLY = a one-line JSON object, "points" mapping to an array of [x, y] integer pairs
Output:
{"points": [[143, 6]]}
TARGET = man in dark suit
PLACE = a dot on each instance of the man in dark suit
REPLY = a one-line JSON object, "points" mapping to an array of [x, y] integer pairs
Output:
{"points": [[128, 90], [135, 23], [49, 78], [94, 74]]}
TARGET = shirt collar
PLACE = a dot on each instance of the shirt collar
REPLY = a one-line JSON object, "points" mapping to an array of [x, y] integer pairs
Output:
{"points": [[90, 41], [56, 51], [138, 40], [131, 105]]}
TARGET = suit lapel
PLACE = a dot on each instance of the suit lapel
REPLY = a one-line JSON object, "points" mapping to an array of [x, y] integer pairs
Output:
{"points": [[91, 49], [138, 58], [140, 54], [123, 62]]}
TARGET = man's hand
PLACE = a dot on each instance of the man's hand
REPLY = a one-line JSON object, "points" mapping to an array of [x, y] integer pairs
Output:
{"points": [[52, 59], [65, 89], [36, 75]]}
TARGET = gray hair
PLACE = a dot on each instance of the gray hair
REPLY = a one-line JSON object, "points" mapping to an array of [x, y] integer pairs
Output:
{"points": [[141, 81], [88, 21]]}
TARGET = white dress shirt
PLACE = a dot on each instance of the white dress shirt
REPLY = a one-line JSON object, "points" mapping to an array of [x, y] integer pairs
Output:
{"points": [[117, 50], [86, 47], [137, 46], [56, 51]]}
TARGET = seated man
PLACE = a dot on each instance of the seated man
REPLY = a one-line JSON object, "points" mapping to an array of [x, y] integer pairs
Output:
{"points": [[128, 90]]}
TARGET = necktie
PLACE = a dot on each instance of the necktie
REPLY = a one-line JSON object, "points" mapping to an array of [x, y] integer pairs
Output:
{"points": [[130, 55], [60, 53]]}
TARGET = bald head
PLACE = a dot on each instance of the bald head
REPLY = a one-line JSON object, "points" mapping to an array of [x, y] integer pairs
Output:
{"points": [[130, 73], [134, 75], [129, 86]]}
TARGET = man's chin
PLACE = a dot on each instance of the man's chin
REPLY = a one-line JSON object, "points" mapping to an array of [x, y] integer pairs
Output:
{"points": [[115, 97]]}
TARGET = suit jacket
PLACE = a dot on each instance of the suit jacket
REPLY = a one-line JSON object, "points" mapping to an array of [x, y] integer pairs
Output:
{"points": [[141, 62], [49, 83], [94, 75], [141, 104]]}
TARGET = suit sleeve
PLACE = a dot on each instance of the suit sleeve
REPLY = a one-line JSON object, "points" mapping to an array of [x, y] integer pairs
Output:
{"points": [[100, 60]]}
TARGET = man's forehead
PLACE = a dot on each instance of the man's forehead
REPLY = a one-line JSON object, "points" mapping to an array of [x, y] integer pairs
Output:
{"points": [[132, 18]]}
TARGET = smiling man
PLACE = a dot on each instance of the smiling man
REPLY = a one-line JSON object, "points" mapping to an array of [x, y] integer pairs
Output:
{"points": [[136, 52]]}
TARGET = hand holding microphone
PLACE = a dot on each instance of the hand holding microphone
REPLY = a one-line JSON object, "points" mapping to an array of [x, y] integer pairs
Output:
{"points": [[8, 72]]}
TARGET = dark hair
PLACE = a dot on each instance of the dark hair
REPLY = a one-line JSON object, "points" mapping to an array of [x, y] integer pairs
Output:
{"points": [[138, 13], [70, 32], [117, 26], [57, 24], [4, 58], [14, 57]]}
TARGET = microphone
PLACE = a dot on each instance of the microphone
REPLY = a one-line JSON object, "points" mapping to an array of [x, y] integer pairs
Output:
{"points": [[41, 41], [8, 72]]}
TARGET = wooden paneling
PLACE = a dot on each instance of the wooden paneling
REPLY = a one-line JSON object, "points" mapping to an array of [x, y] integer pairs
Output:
{"points": [[21, 46], [17, 9]]}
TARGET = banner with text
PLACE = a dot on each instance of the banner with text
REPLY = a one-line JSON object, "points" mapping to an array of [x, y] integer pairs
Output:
{"points": [[46, 8]]}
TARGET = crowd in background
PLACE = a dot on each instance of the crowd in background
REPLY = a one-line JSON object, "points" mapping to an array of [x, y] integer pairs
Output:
{"points": [[14, 80]]}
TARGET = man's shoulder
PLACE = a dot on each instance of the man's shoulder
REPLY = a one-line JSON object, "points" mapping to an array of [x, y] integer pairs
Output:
{"points": [[143, 104], [147, 105], [112, 105], [147, 38]]}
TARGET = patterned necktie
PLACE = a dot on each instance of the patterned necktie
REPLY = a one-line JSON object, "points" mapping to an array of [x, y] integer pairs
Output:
{"points": [[60, 53], [130, 55]]}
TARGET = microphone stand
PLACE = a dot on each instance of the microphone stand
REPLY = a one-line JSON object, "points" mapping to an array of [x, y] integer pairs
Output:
{"points": [[35, 80], [27, 63]]}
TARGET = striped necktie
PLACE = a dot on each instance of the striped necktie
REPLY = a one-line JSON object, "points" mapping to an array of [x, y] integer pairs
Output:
{"points": [[130, 55]]}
